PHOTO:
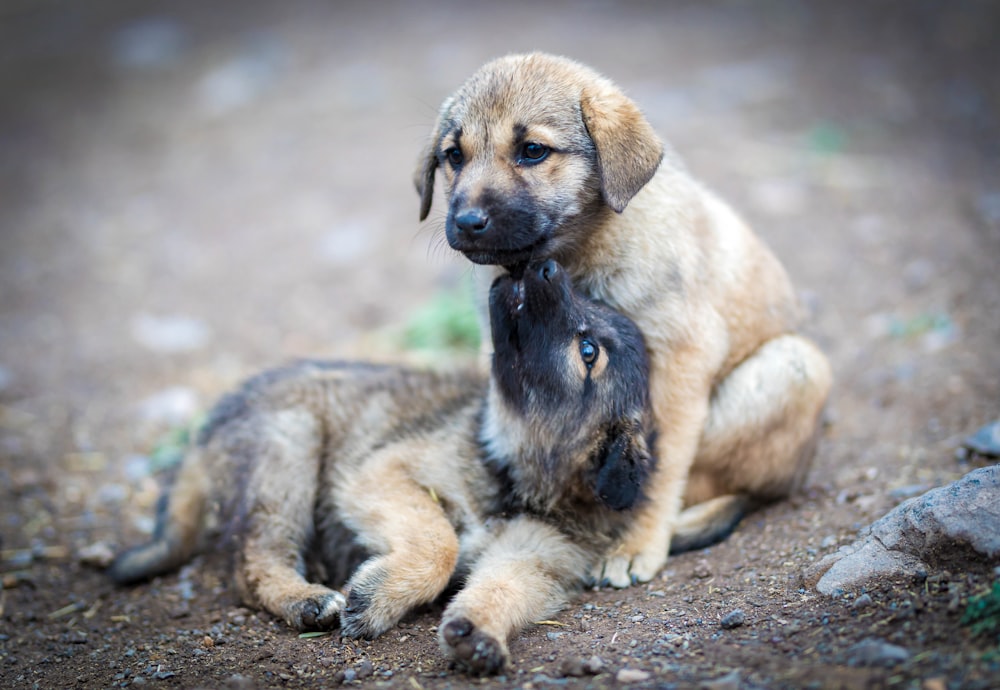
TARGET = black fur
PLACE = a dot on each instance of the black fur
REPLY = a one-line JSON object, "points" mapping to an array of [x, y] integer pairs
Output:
{"points": [[623, 471], [353, 621]]}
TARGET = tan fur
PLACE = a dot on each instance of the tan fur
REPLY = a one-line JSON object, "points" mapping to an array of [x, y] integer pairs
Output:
{"points": [[521, 481], [736, 393]]}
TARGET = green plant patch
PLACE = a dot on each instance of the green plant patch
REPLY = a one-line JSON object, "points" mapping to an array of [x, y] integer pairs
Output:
{"points": [[982, 615], [448, 322], [170, 448]]}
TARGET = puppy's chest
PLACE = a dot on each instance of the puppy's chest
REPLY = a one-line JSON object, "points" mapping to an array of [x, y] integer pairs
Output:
{"points": [[655, 304], [566, 501]]}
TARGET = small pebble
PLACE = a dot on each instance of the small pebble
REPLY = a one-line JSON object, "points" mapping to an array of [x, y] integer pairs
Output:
{"points": [[631, 675], [702, 570], [864, 601], [876, 652], [169, 334], [98, 555], [112, 494], [171, 406], [986, 441], [365, 669], [730, 681], [572, 667], [733, 619]]}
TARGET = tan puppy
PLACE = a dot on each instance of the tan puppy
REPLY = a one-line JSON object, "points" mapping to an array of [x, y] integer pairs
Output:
{"points": [[521, 482], [543, 157]]}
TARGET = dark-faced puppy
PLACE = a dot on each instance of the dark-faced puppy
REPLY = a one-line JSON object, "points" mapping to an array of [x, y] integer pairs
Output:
{"points": [[519, 481], [543, 157], [558, 383], [565, 433]]}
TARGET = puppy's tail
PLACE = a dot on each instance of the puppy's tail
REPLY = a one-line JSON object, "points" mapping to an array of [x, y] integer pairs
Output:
{"points": [[180, 517], [704, 524]]}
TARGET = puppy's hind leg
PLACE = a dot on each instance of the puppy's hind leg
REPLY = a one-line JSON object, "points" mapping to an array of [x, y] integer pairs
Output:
{"points": [[406, 526], [526, 575], [279, 502], [763, 424]]}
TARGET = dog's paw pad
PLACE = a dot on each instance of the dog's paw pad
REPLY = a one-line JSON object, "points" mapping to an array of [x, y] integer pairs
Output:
{"points": [[317, 612], [473, 650]]}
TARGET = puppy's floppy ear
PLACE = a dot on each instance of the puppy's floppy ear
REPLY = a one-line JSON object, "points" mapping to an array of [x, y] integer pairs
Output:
{"points": [[423, 176], [623, 463], [628, 149]]}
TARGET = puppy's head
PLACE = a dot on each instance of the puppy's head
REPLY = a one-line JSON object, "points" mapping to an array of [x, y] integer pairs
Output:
{"points": [[531, 147], [569, 383]]}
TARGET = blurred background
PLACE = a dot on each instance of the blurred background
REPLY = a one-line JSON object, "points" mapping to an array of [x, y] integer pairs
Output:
{"points": [[191, 191]]}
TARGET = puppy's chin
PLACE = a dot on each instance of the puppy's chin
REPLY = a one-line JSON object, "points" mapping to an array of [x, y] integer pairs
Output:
{"points": [[512, 260]]}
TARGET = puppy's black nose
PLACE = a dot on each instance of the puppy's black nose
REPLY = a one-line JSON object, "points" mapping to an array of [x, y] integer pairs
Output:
{"points": [[548, 270], [472, 220]]}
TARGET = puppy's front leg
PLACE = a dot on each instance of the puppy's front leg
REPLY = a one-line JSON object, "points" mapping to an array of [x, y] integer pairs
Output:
{"points": [[679, 394], [527, 574], [403, 523]]}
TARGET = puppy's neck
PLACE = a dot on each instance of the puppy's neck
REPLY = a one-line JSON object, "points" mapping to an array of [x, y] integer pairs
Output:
{"points": [[542, 469]]}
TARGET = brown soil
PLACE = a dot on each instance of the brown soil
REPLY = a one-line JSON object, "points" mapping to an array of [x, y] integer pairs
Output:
{"points": [[245, 168]]}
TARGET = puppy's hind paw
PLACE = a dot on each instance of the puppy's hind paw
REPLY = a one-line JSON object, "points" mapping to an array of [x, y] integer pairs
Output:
{"points": [[473, 651], [319, 611]]}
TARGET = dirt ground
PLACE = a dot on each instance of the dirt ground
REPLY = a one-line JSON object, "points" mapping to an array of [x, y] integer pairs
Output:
{"points": [[192, 191]]}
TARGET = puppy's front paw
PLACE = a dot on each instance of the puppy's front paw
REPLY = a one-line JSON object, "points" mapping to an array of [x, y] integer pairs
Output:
{"points": [[370, 609], [646, 564], [612, 572], [317, 611], [622, 569], [473, 650]]}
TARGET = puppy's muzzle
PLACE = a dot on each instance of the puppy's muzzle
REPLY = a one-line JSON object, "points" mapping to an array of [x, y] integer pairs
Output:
{"points": [[493, 233]]}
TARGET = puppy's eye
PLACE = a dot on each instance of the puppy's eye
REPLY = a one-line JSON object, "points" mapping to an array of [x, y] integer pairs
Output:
{"points": [[534, 152], [454, 155], [589, 352]]}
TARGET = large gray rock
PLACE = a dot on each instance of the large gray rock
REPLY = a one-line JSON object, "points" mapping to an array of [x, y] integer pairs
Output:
{"points": [[924, 530]]}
